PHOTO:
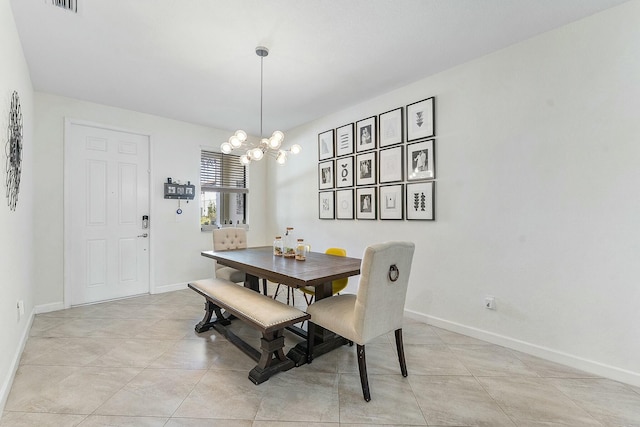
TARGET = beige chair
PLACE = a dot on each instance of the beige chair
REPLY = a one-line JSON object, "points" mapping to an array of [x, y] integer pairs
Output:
{"points": [[229, 238], [378, 307]]}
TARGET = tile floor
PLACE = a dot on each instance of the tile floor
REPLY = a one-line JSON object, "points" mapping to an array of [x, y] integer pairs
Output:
{"points": [[138, 362]]}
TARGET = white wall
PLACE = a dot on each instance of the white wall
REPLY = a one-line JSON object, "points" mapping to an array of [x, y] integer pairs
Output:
{"points": [[176, 241], [16, 238], [536, 196]]}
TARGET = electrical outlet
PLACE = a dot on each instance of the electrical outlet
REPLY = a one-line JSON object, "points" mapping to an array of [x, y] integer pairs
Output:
{"points": [[20, 307], [490, 302]]}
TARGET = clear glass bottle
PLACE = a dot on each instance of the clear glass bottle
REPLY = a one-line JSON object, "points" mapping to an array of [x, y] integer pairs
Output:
{"points": [[289, 244], [301, 250], [277, 246]]}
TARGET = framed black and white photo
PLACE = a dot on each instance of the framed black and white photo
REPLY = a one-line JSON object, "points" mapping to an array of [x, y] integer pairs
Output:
{"points": [[390, 127], [344, 172], [421, 120], [390, 165], [325, 175], [344, 204], [344, 140], [325, 205], [326, 145], [420, 200], [391, 201], [366, 134], [421, 160], [366, 207], [366, 168]]}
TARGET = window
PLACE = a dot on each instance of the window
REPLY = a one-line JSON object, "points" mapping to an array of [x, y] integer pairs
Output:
{"points": [[223, 190]]}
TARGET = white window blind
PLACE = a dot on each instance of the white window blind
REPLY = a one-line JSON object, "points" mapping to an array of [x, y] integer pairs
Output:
{"points": [[222, 173]]}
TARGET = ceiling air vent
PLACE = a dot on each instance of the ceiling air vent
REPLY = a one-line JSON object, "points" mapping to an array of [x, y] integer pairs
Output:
{"points": [[70, 5]]}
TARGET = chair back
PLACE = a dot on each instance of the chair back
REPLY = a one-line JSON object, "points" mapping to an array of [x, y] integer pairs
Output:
{"points": [[384, 278], [225, 239], [339, 284]]}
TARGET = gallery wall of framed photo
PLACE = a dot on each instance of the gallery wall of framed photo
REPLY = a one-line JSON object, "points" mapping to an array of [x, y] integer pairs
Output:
{"points": [[380, 167]]}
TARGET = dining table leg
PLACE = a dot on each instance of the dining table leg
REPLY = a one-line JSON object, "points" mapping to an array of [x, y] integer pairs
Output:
{"points": [[324, 339]]}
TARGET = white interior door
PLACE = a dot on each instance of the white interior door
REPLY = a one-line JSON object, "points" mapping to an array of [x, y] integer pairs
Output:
{"points": [[106, 197]]}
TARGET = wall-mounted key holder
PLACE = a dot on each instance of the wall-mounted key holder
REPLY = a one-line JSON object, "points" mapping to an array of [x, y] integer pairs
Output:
{"points": [[179, 191]]}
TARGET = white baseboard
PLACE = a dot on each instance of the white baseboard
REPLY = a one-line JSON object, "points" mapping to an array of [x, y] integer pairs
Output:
{"points": [[169, 288], [590, 366], [48, 308], [15, 362]]}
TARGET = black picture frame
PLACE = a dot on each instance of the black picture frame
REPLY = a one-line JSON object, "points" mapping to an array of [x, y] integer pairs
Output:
{"points": [[344, 175], [390, 127], [366, 203], [326, 175], [421, 201], [326, 205], [344, 140], [366, 134], [366, 168], [326, 145], [420, 158], [390, 165], [420, 119], [391, 201], [344, 204]]}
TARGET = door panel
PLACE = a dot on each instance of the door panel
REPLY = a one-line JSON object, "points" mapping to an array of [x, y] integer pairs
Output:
{"points": [[106, 195]]}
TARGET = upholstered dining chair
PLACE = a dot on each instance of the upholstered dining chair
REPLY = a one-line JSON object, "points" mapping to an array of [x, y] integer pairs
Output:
{"points": [[230, 238], [378, 307], [337, 286]]}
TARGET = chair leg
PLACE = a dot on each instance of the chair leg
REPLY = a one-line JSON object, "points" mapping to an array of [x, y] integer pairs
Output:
{"points": [[362, 367], [400, 349], [264, 286], [311, 328]]}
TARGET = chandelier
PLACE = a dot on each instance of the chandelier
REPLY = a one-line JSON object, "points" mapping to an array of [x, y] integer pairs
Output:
{"points": [[266, 146]]}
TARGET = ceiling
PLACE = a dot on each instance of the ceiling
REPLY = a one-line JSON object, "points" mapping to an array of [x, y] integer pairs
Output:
{"points": [[195, 60]]}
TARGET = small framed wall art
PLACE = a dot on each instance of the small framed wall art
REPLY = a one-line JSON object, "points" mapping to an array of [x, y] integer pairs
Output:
{"points": [[366, 134], [390, 165], [326, 205], [344, 140], [344, 172], [391, 201], [325, 175], [421, 119], [366, 207], [326, 145], [390, 127], [420, 197], [344, 204], [366, 168], [421, 160]]}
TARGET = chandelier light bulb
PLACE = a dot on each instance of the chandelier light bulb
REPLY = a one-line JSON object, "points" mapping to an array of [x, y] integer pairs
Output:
{"points": [[241, 135], [245, 160], [235, 142], [295, 148], [274, 143], [226, 148], [257, 154], [278, 135], [282, 157]]}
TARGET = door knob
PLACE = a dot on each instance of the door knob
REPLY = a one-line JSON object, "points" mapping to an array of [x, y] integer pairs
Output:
{"points": [[144, 235]]}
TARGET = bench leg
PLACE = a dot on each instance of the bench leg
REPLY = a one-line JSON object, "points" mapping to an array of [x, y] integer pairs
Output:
{"points": [[272, 358], [206, 323]]}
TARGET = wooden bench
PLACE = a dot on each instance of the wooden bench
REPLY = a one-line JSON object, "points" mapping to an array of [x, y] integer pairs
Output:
{"points": [[263, 313]]}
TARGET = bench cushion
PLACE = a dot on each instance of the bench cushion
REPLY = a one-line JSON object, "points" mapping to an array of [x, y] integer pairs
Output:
{"points": [[264, 312]]}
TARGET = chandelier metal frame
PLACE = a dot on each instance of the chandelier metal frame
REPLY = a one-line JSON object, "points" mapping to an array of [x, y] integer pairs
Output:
{"points": [[266, 146]]}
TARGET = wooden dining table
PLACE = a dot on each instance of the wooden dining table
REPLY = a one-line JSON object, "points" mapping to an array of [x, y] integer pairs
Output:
{"points": [[317, 270]]}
